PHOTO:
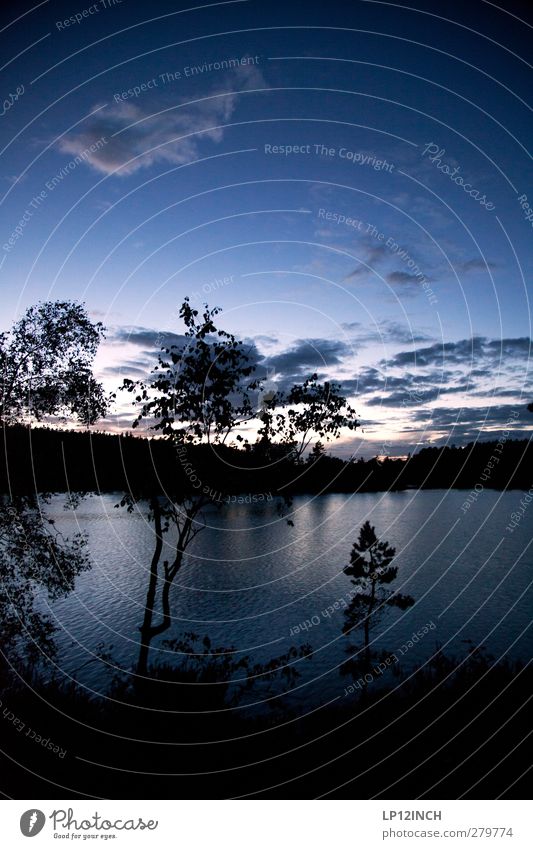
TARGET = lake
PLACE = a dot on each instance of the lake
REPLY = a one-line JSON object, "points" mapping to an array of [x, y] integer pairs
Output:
{"points": [[250, 581]]}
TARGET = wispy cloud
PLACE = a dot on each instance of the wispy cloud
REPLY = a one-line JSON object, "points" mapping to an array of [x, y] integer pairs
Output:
{"points": [[476, 265], [465, 351], [386, 331], [308, 356], [411, 383], [410, 284], [137, 136], [144, 337]]}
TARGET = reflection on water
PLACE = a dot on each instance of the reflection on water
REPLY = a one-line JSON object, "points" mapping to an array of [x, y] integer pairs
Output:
{"points": [[250, 580]]}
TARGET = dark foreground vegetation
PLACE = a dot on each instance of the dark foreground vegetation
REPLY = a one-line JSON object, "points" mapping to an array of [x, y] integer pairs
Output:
{"points": [[448, 730], [50, 460]]}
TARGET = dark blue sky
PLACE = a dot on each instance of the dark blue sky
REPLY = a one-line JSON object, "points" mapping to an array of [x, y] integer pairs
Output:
{"points": [[349, 182]]}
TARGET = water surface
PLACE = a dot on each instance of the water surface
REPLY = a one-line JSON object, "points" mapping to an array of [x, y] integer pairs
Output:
{"points": [[250, 581]]}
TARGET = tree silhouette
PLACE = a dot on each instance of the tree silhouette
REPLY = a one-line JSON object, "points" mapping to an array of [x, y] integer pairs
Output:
{"points": [[203, 392], [370, 571], [46, 364], [36, 559], [307, 411], [317, 452], [198, 393]]}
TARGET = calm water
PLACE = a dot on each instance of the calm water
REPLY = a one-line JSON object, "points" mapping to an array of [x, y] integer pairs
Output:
{"points": [[250, 579]]}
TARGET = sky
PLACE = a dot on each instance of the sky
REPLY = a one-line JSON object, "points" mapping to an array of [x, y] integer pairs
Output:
{"points": [[350, 183]]}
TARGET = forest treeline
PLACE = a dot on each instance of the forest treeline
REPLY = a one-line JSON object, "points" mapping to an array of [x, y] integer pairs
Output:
{"points": [[45, 459]]}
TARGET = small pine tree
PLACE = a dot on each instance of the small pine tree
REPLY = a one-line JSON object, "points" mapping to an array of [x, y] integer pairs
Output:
{"points": [[370, 569], [317, 452]]}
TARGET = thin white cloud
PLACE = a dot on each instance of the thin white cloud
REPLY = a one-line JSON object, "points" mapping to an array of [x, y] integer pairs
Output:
{"points": [[136, 137]]}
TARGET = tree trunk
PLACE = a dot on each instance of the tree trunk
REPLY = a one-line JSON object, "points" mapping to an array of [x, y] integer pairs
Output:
{"points": [[367, 643], [367, 626], [146, 629]]}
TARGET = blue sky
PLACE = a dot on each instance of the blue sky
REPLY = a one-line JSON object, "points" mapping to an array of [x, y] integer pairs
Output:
{"points": [[346, 181]]}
